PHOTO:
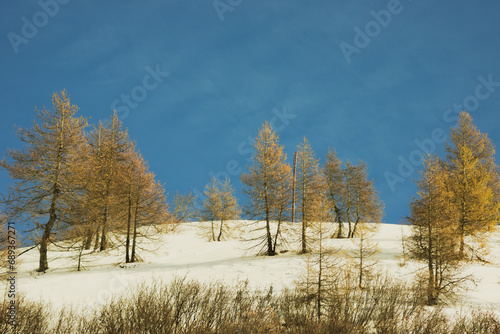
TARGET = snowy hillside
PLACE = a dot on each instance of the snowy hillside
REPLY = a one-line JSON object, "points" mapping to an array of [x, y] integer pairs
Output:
{"points": [[186, 252]]}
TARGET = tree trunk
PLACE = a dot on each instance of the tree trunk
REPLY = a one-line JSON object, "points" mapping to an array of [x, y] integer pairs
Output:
{"points": [[97, 238], [431, 289], [361, 264], [220, 230], [319, 280], [213, 231], [462, 241], [88, 240], [43, 263], [277, 234], [339, 221], [104, 240], [129, 221], [304, 246], [134, 236], [349, 232], [80, 253], [270, 248], [354, 229]]}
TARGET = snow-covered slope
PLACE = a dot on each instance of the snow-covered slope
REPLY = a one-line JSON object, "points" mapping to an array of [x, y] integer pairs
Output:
{"points": [[188, 253]]}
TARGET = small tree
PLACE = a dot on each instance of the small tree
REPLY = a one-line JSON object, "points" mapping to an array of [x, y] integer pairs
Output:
{"points": [[219, 204], [362, 202], [150, 210], [211, 205], [183, 207], [363, 255], [321, 274]]}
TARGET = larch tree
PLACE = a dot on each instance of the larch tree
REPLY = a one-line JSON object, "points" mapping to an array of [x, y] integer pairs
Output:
{"points": [[267, 180], [281, 208], [211, 205], [349, 196], [184, 207], [135, 181], [434, 238], [363, 256], [230, 208], [139, 201], [335, 184], [221, 205], [474, 184], [109, 144], [321, 268], [42, 172], [364, 209], [149, 209], [310, 186]]}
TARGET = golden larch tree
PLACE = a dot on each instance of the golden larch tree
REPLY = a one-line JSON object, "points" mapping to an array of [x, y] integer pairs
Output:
{"points": [[310, 187], [474, 185], [434, 238], [335, 184], [220, 204], [43, 171], [267, 180]]}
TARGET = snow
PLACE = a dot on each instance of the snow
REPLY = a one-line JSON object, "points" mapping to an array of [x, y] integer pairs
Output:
{"points": [[187, 252]]}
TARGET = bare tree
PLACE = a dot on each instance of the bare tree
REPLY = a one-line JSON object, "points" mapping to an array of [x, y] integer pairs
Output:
{"points": [[363, 255], [321, 272], [184, 207]]}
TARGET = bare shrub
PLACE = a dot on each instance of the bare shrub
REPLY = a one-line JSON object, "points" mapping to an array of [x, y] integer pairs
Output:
{"points": [[190, 307]]}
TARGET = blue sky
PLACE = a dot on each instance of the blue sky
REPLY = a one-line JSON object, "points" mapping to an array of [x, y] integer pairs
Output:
{"points": [[222, 68]]}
